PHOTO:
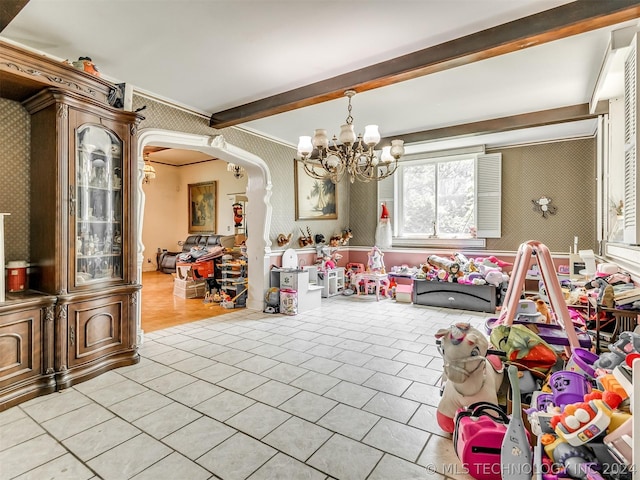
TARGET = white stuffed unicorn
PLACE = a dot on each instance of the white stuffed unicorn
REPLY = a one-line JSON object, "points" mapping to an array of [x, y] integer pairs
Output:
{"points": [[470, 375]]}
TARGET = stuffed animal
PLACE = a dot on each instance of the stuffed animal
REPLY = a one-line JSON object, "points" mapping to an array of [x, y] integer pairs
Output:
{"points": [[305, 240], [543, 309], [346, 236], [469, 374], [283, 239]]}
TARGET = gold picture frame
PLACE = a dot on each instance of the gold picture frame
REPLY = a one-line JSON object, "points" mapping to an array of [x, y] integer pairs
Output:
{"points": [[315, 199], [202, 207]]}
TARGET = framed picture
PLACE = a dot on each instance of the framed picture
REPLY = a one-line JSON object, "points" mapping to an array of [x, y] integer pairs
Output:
{"points": [[315, 199], [202, 207]]}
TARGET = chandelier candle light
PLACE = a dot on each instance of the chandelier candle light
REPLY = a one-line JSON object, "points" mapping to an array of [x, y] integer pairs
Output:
{"points": [[237, 170], [353, 156], [148, 170]]}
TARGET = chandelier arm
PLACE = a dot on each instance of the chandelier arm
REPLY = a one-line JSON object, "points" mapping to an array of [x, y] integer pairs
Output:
{"points": [[309, 169]]}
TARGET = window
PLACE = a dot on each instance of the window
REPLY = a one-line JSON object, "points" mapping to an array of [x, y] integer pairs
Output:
{"points": [[437, 199], [444, 200]]}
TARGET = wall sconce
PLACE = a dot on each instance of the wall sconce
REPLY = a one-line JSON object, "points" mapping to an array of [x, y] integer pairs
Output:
{"points": [[237, 170]]}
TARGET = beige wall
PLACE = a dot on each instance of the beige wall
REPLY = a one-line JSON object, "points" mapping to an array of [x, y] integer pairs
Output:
{"points": [[166, 204]]}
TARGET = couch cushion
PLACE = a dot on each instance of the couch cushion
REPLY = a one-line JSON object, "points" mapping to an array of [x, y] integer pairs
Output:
{"points": [[202, 241], [190, 242], [213, 239]]}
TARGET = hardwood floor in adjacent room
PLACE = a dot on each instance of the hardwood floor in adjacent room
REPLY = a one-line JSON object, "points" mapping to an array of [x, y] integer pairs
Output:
{"points": [[162, 309]]}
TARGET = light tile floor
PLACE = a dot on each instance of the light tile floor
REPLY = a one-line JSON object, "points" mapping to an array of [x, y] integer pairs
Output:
{"points": [[348, 391]]}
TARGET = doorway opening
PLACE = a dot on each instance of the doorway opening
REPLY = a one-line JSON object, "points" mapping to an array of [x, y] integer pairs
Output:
{"points": [[258, 208]]}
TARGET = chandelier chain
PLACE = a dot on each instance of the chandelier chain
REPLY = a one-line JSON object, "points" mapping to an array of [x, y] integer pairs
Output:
{"points": [[349, 117]]}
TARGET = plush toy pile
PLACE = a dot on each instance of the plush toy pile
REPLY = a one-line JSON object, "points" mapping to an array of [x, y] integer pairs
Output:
{"points": [[460, 269], [578, 410], [582, 417]]}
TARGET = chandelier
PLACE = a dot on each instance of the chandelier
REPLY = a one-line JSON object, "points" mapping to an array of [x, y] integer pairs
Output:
{"points": [[324, 160], [238, 171], [148, 170]]}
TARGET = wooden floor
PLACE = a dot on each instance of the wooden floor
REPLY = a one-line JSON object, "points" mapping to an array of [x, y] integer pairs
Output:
{"points": [[162, 309]]}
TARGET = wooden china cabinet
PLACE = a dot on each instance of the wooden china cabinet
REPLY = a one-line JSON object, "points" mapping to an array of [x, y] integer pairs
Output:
{"points": [[81, 229], [78, 317]]}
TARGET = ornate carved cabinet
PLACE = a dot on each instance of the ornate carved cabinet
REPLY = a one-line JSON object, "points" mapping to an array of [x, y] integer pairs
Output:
{"points": [[78, 317], [26, 347], [81, 229]]}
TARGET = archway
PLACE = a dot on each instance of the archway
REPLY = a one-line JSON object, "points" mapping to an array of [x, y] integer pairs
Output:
{"points": [[258, 211]]}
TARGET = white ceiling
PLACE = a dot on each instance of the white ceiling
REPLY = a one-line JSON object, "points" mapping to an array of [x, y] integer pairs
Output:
{"points": [[218, 54]]}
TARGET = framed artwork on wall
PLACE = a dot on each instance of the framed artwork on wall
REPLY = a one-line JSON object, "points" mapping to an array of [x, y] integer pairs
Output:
{"points": [[315, 199], [202, 207]]}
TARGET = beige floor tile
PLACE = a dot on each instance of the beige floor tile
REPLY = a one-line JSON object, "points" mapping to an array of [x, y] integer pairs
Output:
{"points": [[64, 467], [198, 437], [237, 457], [344, 458], [298, 438], [129, 458], [94, 441], [28, 455]]}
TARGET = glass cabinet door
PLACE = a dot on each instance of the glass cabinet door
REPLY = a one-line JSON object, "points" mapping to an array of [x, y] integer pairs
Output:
{"points": [[98, 206]]}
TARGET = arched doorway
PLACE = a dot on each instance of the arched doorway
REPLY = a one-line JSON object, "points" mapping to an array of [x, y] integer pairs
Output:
{"points": [[258, 212]]}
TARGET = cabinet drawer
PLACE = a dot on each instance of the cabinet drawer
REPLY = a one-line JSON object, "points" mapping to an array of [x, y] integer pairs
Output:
{"points": [[481, 298]]}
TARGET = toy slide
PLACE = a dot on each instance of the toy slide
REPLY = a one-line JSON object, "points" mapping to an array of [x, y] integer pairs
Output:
{"points": [[552, 285]]}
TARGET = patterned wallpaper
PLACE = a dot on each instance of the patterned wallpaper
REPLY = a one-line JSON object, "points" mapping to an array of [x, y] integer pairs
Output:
{"points": [[278, 157], [14, 182], [364, 213], [564, 171]]}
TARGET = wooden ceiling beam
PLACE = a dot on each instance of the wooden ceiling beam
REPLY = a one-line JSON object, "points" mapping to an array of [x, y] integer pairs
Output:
{"points": [[8, 11], [496, 125], [554, 24]]}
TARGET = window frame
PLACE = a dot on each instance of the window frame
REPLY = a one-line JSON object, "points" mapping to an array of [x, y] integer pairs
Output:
{"points": [[399, 189], [487, 198]]}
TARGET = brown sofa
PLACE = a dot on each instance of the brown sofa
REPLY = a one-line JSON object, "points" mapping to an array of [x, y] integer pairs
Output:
{"points": [[167, 260]]}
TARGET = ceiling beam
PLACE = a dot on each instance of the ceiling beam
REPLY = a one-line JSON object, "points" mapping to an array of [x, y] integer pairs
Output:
{"points": [[8, 10], [496, 125], [554, 24]]}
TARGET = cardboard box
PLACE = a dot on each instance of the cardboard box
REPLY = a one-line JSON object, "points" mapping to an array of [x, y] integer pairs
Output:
{"points": [[194, 270], [188, 288]]}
